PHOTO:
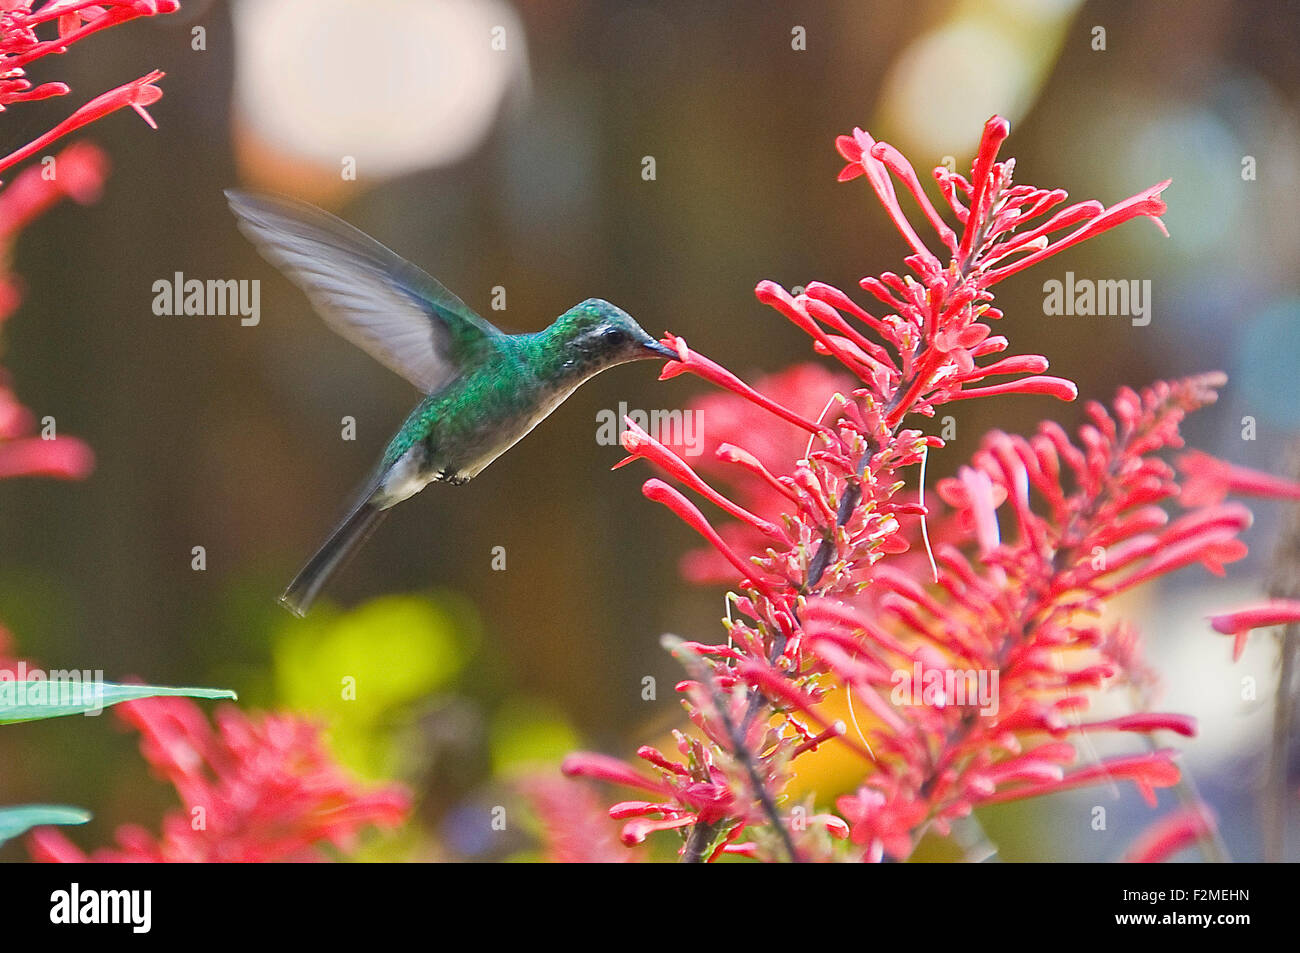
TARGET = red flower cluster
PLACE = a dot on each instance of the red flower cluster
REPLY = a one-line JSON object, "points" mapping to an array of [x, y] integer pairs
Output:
{"points": [[1040, 532], [77, 172], [574, 826], [748, 473], [81, 173], [76, 19], [253, 789]]}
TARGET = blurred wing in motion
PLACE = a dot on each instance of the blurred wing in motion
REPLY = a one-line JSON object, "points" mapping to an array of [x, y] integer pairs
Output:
{"points": [[397, 313]]}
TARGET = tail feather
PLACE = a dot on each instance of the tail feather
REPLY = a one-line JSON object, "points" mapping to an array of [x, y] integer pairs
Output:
{"points": [[333, 553]]}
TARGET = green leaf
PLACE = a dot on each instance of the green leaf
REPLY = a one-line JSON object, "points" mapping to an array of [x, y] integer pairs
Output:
{"points": [[19, 820], [30, 700]]}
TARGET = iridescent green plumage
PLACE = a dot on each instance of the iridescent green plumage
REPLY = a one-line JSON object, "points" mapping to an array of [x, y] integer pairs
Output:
{"points": [[486, 389]]}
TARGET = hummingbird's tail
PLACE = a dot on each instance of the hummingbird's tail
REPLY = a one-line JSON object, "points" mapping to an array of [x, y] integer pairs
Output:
{"points": [[333, 553]]}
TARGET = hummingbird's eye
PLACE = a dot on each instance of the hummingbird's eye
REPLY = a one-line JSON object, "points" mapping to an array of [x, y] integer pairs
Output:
{"points": [[613, 336]]}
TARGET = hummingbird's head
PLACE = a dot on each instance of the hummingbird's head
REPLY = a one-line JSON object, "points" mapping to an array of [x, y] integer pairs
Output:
{"points": [[595, 334]]}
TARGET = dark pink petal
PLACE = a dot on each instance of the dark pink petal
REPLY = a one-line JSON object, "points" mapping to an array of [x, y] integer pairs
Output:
{"points": [[602, 767], [996, 131], [1239, 623], [1146, 203], [1057, 387], [1147, 771], [66, 458], [1176, 831], [137, 94], [1210, 479]]}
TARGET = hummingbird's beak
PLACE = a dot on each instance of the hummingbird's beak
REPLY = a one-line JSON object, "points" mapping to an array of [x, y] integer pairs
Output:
{"points": [[661, 350]]}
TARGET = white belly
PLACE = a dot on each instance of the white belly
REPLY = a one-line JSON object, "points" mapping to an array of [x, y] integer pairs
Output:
{"points": [[413, 471], [508, 438], [406, 478]]}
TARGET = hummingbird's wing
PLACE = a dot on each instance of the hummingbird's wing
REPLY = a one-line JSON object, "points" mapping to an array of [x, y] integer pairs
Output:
{"points": [[379, 301]]}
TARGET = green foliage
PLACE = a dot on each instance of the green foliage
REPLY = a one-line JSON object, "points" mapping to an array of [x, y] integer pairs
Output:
{"points": [[34, 699], [31, 700], [21, 819]]}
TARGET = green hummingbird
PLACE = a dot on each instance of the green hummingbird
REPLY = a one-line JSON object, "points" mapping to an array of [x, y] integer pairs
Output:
{"points": [[484, 389]]}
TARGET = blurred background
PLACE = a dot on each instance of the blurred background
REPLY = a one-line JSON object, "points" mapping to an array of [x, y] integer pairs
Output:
{"points": [[504, 145]]}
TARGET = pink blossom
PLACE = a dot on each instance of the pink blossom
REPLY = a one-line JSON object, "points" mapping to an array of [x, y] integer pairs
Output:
{"points": [[1239, 623], [575, 827], [266, 787], [1209, 480], [1176, 831], [137, 94], [821, 543], [23, 453]]}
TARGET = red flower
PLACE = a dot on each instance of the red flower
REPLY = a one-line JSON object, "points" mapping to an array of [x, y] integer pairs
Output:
{"points": [[255, 789], [749, 474], [80, 175], [1239, 623], [82, 168], [1174, 832], [1209, 480], [883, 825], [995, 215], [137, 94], [829, 597], [574, 825], [20, 45], [22, 454]]}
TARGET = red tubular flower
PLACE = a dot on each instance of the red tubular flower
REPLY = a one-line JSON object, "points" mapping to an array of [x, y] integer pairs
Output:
{"points": [[77, 19], [1147, 771], [137, 94], [882, 825], [1209, 480], [23, 454], [65, 458], [1239, 623], [1146, 204], [1176, 831], [851, 596], [715, 373], [20, 45], [81, 171], [1057, 387], [640, 444], [858, 150], [661, 492], [255, 789], [604, 768], [1184, 725], [574, 825]]}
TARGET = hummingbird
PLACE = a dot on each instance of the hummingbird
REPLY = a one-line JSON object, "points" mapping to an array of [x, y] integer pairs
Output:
{"points": [[484, 389]]}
